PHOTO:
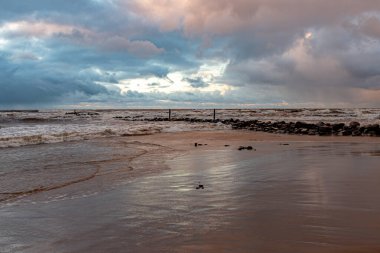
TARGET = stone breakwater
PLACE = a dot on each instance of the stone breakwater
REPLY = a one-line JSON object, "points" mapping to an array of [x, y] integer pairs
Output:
{"points": [[281, 127], [302, 128]]}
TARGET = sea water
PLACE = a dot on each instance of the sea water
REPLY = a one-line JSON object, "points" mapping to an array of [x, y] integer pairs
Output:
{"points": [[18, 128]]}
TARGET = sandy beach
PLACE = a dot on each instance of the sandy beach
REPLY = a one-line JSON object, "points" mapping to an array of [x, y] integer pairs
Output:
{"points": [[138, 194]]}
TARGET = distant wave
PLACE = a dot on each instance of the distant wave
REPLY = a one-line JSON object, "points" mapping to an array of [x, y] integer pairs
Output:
{"points": [[37, 135], [19, 128]]}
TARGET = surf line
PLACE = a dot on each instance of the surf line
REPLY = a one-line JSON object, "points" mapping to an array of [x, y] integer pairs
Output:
{"points": [[97, 164], [13, 195]]}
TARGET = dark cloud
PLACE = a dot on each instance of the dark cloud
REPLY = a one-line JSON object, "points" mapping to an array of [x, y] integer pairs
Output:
{"points": [[196, 82], [33, 84], [155, 70]]}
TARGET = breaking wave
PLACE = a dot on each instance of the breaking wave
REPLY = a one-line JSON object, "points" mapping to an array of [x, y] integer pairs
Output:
{"points": [[19, 128], [40, 134]]}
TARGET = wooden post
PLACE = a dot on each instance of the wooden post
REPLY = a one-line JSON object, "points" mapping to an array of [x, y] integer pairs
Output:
{"points": [[170, 114], [214, 114]]}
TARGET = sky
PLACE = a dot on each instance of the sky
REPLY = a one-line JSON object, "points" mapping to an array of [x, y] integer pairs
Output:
{"points": [[189, 53]]}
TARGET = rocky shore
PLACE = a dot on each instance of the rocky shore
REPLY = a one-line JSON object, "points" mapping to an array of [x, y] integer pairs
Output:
{"points": [[281, 127], [302, 128]]}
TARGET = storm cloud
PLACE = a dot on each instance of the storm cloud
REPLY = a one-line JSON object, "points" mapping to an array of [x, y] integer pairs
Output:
{"points": [[216, 53]]}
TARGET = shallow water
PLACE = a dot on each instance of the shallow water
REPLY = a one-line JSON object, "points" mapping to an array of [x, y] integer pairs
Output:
{"points": [[305, 197]]}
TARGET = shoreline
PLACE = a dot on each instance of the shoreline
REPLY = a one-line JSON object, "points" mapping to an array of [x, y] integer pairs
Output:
{"points": [[221, 136], [176, 143], [85, 166]]}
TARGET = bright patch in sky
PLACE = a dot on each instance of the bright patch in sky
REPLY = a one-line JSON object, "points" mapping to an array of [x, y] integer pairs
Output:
{"points": [[180, 81], [308, 36], [3, 43]]}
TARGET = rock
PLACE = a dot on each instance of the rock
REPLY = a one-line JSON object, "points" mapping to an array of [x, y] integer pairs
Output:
{"points": [[282, 127], [196, 144], [354, 124], [303, 125], [338, 127], [373, 127], [200, 186], [226, 145], [324, 130], [372, 130], [247, 148], [346, 132], [371, 133]]}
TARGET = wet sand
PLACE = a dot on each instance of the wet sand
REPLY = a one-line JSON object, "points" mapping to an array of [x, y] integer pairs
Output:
{"points": [[316, 194]]}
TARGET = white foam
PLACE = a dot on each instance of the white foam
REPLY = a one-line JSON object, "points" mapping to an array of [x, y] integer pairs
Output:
{"points": [[51, 126]]}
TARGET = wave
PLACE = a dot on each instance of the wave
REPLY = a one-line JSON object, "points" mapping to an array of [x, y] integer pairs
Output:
{"points": [[42, 134], [17, 141], [19, 128]]}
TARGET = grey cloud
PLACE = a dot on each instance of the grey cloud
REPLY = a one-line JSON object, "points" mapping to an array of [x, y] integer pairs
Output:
{"points": [[141, 48], [158, 85], [154, 84], [31, 84], [370, 26], [25, 56], [159, 71], [363, 67], [196, 82]]}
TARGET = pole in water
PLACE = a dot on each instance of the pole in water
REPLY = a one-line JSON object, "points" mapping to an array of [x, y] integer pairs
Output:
{"points": [[214, 114], [170, 114]]}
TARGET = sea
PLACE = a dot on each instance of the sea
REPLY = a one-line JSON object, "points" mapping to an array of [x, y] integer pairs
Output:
{"points": [[28, 127]]}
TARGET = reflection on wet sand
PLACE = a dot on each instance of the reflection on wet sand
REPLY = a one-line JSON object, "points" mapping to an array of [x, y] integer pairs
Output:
{"points": [[301, 197]]}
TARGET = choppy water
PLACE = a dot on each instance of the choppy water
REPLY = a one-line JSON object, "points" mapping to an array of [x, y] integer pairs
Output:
{"points": [[51, 126], [305, 197]]}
